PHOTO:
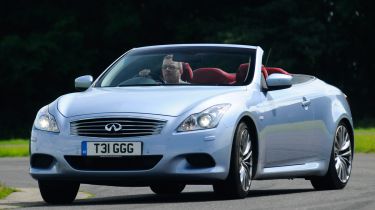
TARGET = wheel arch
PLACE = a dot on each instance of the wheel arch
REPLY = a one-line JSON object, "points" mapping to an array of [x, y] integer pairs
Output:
{"points": [[348, 123], [250, 122]]}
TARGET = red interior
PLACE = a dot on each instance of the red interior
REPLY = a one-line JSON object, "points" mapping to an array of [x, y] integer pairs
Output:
{"points": [[242, 72], [271, 70], [264, 72], [218, 76], [212, 76], [187, 74]]}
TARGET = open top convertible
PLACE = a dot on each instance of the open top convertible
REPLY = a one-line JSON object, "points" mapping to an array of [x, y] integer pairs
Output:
{"points": [[170, 115]]}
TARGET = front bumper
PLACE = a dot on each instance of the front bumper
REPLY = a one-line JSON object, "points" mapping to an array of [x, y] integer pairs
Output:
{"points": [[172, 146]]}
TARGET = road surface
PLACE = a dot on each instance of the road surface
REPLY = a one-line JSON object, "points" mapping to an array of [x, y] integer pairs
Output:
{"points": [[270, 194]]}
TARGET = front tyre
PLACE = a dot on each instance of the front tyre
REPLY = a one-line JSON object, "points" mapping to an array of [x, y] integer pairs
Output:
{"points": [[58, 192], [237, 185], [167, 189], [340, 165]]}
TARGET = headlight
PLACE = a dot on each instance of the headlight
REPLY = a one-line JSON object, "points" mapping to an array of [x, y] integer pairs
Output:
{"points": [[206, 119], [45, 121]]}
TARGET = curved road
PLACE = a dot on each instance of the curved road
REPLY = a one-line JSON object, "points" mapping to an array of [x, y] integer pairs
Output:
{"points": [[270, 194]]}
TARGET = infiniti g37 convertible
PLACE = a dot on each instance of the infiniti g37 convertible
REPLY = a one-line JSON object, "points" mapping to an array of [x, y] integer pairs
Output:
{"points": [[170, 115]]}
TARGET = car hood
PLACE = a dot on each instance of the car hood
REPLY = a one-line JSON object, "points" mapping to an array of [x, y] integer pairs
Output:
{"points": [[160, 100]]}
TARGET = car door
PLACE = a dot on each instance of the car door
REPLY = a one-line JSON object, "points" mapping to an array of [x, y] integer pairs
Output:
{"points": [[287, 122]]}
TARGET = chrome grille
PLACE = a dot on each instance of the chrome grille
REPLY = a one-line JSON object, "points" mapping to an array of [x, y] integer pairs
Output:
{"points": [[116, 127]]}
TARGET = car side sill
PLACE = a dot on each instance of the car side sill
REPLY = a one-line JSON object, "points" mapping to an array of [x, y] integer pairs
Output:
{"points": [[317, 168]]}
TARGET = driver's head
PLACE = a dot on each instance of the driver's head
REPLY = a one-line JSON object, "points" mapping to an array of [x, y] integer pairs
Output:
{"points": [[171, 70]]}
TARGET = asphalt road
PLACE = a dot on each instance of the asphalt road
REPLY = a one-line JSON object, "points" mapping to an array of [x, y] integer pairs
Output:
{"points": [[271, 194]]}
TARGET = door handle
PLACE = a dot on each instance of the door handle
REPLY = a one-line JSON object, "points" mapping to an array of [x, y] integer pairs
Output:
{"points": [[305, 102]]}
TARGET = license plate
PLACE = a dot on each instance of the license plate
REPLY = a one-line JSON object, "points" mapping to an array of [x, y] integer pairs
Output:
{"points": [[90, 148]]}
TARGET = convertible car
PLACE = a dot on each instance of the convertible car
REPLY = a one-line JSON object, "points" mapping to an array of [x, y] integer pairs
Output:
{"points": [[227, 121]]}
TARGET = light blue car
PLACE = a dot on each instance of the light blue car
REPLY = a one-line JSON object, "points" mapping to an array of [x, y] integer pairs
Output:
{"points": [[170, 115]]}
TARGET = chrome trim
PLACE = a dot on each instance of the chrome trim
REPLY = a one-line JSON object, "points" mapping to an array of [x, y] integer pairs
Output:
{"points": [[130, 127]]}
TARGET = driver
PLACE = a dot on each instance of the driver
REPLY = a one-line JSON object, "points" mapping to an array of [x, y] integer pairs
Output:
{"points": [[171, 71]]}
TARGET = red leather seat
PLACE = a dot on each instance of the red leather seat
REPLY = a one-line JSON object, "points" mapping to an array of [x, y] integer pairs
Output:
{"points": [[242, 73], [264, 72], [187, 73], [212, 76], [272, 70]]}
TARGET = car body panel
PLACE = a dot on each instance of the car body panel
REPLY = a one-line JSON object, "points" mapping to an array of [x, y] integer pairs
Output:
{"points": [[162, 96]]}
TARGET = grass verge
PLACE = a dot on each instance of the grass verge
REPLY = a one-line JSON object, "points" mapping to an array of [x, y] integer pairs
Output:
{"points": [[364, 143], [14, 148], [5, 191], [364, 140]]}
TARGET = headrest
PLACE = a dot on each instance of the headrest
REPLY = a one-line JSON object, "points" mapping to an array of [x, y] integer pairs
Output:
{"points": [[187, 73], [242, 72]]}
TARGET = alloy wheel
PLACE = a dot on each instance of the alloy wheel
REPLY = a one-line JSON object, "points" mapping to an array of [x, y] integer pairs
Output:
{"points": [[343, 154], [245, 159]]}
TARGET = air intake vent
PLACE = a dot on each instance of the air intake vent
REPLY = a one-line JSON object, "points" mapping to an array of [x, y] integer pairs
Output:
{"points": [[144, 162], [41, 161], [116, 127]]}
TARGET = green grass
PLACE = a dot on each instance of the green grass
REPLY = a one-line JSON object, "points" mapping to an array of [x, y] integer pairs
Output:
{"points": [[364, 143], [364, 140], [14, 148], [5, 191]]}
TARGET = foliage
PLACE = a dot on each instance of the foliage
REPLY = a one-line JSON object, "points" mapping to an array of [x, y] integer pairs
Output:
{"points": [[44, 45]]}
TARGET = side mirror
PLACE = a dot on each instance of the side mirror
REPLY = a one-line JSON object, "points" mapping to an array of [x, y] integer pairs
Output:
{"points": [[83, 82], [279, 81]]}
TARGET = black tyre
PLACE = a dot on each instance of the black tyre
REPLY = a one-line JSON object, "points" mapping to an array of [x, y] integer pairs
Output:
{"points": [[167, 189], [340, 164], [237, 184], [58, 192]]}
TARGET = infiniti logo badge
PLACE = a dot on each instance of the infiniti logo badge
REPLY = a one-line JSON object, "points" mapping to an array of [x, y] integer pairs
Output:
{"points": [[113, 127]]}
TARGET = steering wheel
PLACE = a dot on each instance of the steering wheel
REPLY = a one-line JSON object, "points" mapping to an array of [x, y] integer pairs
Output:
{"points": [[142, 80]]}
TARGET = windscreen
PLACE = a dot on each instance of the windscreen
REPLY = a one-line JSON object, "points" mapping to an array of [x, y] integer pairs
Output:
{"points": [[181, 66]]}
